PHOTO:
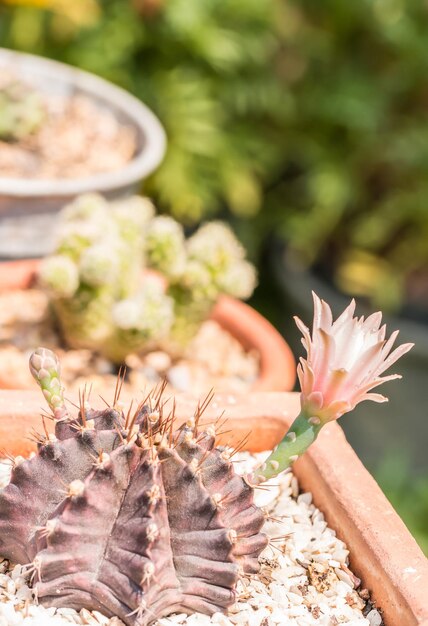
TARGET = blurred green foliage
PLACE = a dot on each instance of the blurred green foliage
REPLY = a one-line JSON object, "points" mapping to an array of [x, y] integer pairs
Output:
{"points": [[310, 118], [354, 195], [408, 495], [205, 67]]}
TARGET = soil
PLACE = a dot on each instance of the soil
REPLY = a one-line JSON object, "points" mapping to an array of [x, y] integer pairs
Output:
{"points": [[214, 359], [77, 139]]}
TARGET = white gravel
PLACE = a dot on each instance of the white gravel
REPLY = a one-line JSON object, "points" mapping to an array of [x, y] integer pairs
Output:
{"points": [[304, 579]]}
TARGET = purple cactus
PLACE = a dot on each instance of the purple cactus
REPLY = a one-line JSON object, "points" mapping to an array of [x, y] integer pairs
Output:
{"points": [[125, 515]]}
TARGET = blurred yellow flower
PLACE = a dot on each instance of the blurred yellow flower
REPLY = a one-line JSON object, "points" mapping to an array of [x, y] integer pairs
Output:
{"points": [[80, 12]]}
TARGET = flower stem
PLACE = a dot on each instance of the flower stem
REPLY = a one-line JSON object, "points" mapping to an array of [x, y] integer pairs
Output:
{"points": [[301, 434]]}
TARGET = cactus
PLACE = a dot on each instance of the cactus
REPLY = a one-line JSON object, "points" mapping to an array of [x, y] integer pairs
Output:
{"points": [[95, 276], [165, 245], [95, 279], [125, 515], [22, 111]]}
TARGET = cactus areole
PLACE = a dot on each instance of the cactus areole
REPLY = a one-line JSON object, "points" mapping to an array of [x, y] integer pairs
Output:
{"points": [[125, 515]]}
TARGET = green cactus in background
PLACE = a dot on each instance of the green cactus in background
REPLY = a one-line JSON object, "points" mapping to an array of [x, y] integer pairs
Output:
{"points": [[21, 110], [96, 268], [102, 298], [165, 245], [215, 265]]}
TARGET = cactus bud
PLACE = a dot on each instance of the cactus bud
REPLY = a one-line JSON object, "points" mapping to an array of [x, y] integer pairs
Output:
{"points": [[59, 274], [46, 370], [165, 246], [150, 311], [239, 280], [215, 245], [88, 206], [134, 212], [98, 265], [198, 280]]}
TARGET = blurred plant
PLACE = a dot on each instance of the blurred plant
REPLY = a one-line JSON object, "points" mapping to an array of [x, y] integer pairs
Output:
{"points": [[354, 198], [21, 110], [101, 296], [202, 66], [315, 111], [408, 494], [215, 264], [79, 12]]}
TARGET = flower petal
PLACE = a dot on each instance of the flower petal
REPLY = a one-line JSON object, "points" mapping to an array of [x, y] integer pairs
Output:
{"points": [[375, 397], [334, 387], [388, 345], [323, 356], [306, 340], [302, 327], [347, 315], [394, 356], [326, 316], [316, 399], [306, 377], [335, 410], [366, 364], [317, 313], [372, 322]]}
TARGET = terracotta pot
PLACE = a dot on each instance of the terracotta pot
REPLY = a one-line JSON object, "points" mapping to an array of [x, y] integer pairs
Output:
{"points": [[383, 553], [252, 330]]}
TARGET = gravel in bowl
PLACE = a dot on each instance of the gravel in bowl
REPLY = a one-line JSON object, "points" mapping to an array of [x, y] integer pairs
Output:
{"points": [[73, 137]]}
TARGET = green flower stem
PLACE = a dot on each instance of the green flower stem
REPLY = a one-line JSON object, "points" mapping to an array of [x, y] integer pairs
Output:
{"points": [[299, 437], [45, 368]]}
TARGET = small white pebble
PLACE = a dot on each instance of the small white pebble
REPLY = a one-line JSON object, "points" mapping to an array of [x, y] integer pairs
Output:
{"points": [[344, 577], [294, 487], [374, 618], [306, 498], [220, 619]]}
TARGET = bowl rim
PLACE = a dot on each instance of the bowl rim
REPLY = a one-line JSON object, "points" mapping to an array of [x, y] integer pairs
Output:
{"points": [[146, 160]]}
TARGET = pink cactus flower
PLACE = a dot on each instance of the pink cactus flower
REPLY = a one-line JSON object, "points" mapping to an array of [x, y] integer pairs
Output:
{"points": [[345, 360]]}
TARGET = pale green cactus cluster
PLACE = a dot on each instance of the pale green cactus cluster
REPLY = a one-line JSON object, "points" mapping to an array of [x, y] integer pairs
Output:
{"points": [[214, 264], [103, 298], [21, 110]]}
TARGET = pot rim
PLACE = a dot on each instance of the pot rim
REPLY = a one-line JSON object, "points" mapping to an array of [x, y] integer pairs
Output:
{"points": [[382, 551], [148, 156], [250, 328]]}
